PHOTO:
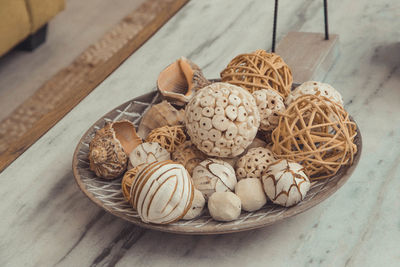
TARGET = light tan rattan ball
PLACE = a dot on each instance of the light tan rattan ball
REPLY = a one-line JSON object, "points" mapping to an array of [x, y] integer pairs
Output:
{"points": [[169, 137], [316, 133], [127, 181], [259, 70]]}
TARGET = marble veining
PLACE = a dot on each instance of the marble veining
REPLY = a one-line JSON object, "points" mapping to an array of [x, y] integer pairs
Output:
{"points": [[46, 221]]}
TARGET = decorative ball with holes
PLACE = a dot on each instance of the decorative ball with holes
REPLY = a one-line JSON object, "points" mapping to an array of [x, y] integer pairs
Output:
{"points": [[270, 104], [254, 162], [315, 88], [222, 119]]}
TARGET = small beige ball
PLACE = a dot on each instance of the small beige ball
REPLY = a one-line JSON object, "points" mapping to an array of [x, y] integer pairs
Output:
{"points": [[197, 206], [224, 206], [251, 193]]}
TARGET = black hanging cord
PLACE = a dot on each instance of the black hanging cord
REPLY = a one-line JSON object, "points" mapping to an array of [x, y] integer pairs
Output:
{"points": [[274, 26], [276, 18], [326, 19]]}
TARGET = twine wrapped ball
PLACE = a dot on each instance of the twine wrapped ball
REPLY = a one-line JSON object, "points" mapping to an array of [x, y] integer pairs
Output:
{"points": [[169, 137], [259, 70], [317, 133]]}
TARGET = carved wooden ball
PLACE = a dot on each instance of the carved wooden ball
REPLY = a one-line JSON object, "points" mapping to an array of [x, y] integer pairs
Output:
{"points": [[317, 133], [259, 70]]}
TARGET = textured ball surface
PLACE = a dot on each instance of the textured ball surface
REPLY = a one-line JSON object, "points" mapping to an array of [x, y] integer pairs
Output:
{"points": [[270, 105], [188, 155], [214, 175], [318, 133], [162, 192], [222, 119], [285, 183], [254, 162], [315, 88], [259, 70]]}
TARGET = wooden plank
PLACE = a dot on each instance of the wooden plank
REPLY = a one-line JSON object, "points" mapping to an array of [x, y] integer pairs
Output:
{"points": [[308, 55], [44, 109]]}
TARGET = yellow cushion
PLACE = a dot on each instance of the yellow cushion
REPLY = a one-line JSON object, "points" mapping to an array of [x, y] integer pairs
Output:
{"points": [[14, 24], [41, 11]]}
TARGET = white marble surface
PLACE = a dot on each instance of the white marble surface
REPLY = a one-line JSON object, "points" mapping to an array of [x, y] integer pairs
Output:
{"points": [[46, 221]]}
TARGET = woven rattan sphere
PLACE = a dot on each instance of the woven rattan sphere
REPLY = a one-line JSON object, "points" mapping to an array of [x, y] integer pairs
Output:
{"points": [[259, 70], [317, 133], [169, 137]]}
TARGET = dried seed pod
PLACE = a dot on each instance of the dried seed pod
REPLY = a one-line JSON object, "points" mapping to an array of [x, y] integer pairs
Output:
{"points": [[159, 115], [270, 105], [147, 153], [110, 147], [224, 206], [234, 120], [180, 80], [254, 162], [162, 192], [188, 155], [169, 137], [285, 183], [315, 88], [214, 175]]}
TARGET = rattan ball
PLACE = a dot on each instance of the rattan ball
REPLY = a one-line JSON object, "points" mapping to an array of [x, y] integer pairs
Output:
{"points": [[127, 181], [317, 133], [169, 137], [259, 70]]}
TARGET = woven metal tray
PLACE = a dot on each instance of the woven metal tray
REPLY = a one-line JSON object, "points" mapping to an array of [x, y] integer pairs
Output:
{"points": [[108, 195]]}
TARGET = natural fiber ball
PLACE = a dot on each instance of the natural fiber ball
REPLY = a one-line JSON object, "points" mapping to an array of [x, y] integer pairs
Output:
{"points": [[259, 70], [169, 137], [222, 119], [285, 183], [315, 88], [162, 192], [147, 153], [224, 206], [254, 162], [127, 181], [214, 175], [251, 193], [188, 155], [317, 133], [270, 105]]}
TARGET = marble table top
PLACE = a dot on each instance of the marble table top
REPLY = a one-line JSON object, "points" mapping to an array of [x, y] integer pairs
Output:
{"points": [[47, 221]]}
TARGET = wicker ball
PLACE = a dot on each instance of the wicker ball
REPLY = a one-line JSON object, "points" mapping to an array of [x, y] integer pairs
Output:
{"points": [[259, 70], [317, 133], [127, 181], [169, 137]]}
